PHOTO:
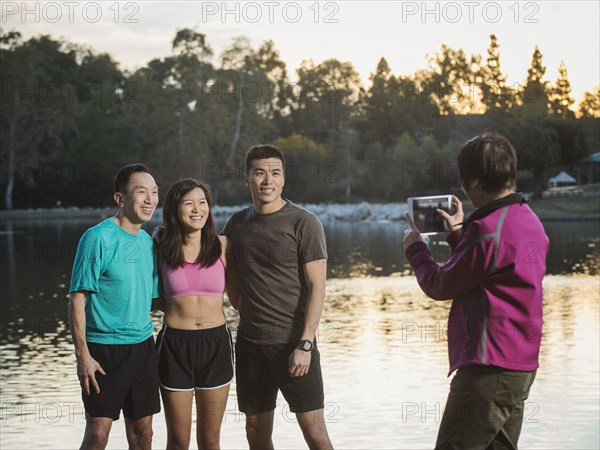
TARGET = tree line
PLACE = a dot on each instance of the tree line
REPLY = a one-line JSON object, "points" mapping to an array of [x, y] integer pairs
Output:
{"points": [[71, 116]]}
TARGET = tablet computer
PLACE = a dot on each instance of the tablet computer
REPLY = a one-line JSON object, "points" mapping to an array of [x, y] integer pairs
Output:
{"points": [[422, 210]]}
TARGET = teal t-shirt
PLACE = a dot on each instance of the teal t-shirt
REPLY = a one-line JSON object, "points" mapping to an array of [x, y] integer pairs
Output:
{"points": [[119, 271]]}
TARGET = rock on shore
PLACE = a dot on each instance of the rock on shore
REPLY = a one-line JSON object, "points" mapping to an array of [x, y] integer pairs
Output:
{"points": [[359, 212]]}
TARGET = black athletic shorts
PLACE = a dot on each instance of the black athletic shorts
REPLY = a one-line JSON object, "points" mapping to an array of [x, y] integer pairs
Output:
{"points": [[195, 359], [263, 369], [130, 383]]}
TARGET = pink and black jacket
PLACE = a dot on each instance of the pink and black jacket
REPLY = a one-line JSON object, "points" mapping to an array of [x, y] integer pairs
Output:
{"points": [[494, 277]]}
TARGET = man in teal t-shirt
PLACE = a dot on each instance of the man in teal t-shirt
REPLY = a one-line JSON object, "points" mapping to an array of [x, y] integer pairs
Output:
{"points": [[113, 283]]}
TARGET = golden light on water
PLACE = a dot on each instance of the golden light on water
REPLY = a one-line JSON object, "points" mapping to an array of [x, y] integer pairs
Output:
{"points": [[384, 358]]}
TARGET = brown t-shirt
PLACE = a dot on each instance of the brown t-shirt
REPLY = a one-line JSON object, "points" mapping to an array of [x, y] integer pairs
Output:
{"points": [[270, 251]]}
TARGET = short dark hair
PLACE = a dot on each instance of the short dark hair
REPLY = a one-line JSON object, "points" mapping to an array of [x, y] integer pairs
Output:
{"points": [[122, 177], [262, 151], [490, 159]]}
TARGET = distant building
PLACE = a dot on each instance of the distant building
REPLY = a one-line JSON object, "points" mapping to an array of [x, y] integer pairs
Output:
{"points": [[589, 168], [561, 180], [561, 185]]}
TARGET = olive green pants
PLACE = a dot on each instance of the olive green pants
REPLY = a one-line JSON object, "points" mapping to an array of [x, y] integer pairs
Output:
{"points": [[484, 409]]}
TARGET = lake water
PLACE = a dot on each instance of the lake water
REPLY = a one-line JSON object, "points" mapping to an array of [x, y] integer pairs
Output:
{"points": [[382, 343]]}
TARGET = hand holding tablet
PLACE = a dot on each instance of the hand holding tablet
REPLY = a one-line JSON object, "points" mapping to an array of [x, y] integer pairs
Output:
{"points": [[434, 214], [425, 216]]}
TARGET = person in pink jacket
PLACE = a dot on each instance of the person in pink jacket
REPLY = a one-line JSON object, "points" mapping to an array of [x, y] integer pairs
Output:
{"points": [[494, 279]]}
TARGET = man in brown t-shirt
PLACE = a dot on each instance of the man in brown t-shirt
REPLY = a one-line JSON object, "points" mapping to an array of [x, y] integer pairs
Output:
{"points": [[278, 276]]}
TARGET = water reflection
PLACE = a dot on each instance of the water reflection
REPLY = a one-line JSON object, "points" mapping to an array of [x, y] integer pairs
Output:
{"points": [[382, 343], [30, 249], [383, 348], [375, 249]]}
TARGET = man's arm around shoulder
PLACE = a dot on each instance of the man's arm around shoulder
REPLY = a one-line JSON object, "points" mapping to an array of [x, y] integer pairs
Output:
{"points": [[232, 276]]}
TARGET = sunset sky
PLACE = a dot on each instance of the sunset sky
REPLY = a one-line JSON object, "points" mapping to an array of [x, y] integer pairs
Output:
{"points": [[361, 32]]}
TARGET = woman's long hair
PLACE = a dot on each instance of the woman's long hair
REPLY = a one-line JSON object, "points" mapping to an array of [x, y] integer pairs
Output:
{"points": [[172, 239]]}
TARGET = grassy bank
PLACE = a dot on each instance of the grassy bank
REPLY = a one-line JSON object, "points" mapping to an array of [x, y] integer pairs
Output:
{"points": [[559, 208], [566, 208]]}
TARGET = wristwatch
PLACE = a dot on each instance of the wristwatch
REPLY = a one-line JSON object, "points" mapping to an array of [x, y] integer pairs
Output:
{"points": [[305, 345]]}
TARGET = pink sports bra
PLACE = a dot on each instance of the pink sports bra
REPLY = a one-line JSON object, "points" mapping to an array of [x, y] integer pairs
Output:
{"points": [[192, 279]]}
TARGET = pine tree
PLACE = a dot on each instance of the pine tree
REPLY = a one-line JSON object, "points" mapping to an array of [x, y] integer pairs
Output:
{"points": [[380, 124], [534, 95], [494, 92], [560, 99], [590, 105]]}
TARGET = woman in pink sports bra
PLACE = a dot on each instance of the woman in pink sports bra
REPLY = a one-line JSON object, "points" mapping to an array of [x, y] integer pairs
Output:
{"points": [[195, 355]]}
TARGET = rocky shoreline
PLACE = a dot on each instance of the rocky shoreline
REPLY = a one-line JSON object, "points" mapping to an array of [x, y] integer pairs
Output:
{"points": [[372, 212], [357, 212]]}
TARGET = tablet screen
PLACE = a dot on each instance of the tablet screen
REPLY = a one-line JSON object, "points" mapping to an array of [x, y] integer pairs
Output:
{"points": [[423, 213]]}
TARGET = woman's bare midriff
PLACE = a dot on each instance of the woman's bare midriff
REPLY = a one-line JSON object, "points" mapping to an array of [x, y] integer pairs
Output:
{"points": [[195, 312]]}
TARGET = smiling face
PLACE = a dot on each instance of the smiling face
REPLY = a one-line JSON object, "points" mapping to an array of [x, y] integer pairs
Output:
{"points": [[140, 198], [193, 210], [266, 179]]}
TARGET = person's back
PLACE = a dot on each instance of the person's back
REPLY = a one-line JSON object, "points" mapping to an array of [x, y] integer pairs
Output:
{"points": [[494, 279], [496, 312]]}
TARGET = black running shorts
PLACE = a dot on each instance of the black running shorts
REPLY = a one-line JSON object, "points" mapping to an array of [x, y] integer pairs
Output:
{"points": [[195, 359], [263, 369], [130, 383]]}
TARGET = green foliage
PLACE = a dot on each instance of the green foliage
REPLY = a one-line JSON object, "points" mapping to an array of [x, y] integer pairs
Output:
{"points": [[571, 140], [326, 99], [70, 117], [192, 44], [536, 142], [381, 107], [393, 106], [534, 96], [297, 146], [310, 170], [40, 103], [407, 158]]}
